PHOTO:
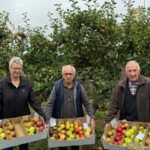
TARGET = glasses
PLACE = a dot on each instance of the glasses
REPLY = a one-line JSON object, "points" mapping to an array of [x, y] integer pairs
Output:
{"points": [[68, 74], [16, 68]]}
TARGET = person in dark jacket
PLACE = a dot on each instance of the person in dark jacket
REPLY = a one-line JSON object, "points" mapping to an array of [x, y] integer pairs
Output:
{"points": [[131, 97], [16, 94], [67, 97]]}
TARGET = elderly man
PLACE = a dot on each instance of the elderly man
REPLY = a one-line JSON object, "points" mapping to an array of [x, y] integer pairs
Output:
{"points": [[67, 97], [131, 97]]}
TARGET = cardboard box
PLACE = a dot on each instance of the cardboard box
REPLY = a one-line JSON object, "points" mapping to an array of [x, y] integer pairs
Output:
{"points": [[23, 140], [132, 145], [86, 141], [21, 134], [73, 142]]}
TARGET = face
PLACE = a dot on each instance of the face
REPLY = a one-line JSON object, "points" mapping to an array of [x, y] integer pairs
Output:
{"points": [[68, 75], [132, 71], [16, 70]]}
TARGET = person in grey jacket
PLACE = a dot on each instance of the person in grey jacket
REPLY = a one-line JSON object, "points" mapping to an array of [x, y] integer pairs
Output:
{"points": [[67, 98], [131, 97], [16, 94]]}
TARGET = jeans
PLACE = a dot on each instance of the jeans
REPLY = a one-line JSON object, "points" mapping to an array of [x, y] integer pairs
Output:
{"points": [[21, 147]]}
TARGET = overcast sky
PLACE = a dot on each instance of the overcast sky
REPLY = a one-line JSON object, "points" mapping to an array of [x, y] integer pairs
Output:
{"points": [[37, 10]]}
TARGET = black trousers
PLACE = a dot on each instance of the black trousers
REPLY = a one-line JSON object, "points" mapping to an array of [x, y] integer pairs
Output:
{"points": [[21, 147], [72, 148]]}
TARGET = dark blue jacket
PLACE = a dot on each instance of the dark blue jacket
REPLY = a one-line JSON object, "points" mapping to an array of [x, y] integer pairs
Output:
{"points": [[60, 97]]}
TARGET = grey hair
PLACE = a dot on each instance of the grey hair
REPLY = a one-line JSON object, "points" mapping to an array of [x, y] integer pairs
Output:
{"points": [[17, 60], [133, 61], [74, 70]]}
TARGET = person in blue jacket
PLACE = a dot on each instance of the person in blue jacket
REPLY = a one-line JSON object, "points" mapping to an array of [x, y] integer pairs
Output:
{"points": [[67, 98]]}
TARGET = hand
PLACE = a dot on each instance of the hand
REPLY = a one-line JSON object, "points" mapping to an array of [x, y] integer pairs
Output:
{"points": [[46, 125], [106, 125], [92, 122]]}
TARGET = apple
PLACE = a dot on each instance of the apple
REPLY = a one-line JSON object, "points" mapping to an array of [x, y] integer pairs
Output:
{"points": [[35, 120], [77, 130], [67, 126], [2, 136], [126, 125], [136, 140], [10, 127], [128, 133], [87, 134], [39, 123], [81, 136], [41, 128], [118, 138], [72, 136], [110, 133], [31, 130], [1, 130], [127, 140], [108, 140], [13, 133], [29, 124], [80, 127]]}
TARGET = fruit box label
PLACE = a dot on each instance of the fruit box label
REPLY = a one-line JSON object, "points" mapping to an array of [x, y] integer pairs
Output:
{"points": [[140, 136], [52, 122]]}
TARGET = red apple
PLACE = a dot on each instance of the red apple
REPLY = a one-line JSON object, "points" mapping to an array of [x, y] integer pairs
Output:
{"points": [[39, 123]]}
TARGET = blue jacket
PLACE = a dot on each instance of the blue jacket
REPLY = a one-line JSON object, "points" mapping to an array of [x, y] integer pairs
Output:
{"points": [[60, 97]]}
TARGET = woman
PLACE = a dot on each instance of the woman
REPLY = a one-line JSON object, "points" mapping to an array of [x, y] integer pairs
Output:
{"points": [[16, 94]]}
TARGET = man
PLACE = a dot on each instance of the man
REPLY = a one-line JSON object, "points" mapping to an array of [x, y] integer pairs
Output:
{"points": [[131, 97], [67, 97]]}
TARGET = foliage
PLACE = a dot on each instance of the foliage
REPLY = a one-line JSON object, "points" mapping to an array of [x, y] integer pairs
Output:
{"points": [[92, 39]]}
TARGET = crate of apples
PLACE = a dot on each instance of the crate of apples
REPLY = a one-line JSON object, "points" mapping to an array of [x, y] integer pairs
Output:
{"points": [[68, 130], [9, 130], [2, 133], [33, 125]]}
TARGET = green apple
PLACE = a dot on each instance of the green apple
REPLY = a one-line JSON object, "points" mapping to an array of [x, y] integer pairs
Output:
{"points": [[127, 133], [136, 140], [127, 140], [1, 130], [31, 130], [2, 136]]}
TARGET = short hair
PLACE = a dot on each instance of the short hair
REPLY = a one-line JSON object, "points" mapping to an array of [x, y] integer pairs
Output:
{"points": [[74, 70], [17, 60], [133, 61]]}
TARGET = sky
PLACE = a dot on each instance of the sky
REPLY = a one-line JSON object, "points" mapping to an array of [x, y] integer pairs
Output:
{"points": [[37, 10]]}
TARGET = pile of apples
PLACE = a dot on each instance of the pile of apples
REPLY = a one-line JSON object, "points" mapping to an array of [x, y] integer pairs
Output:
{"points": [[9, 130], [147, 141], [33, 125], [68, 130], [120, 130], [126, 132], [140, 134], [129, 134], [2, 134]]}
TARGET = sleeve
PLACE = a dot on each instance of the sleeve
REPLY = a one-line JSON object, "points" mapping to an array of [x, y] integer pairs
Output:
{"points": [[0, 97], [87, 103], [50, 104], [114, 107], [34, 103]]}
